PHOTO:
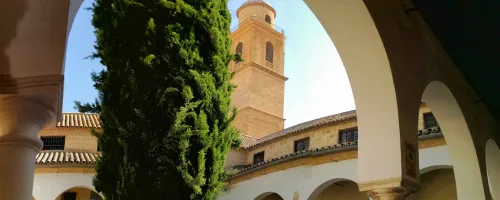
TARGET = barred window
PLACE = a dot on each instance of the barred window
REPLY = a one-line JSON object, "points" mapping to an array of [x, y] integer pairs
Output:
{"points": [[258, 157], [69, 196], [429, 120], [348, 135], [53, 142], [302, 144]]}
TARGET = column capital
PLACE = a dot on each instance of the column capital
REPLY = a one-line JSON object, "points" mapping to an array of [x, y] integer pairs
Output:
{"points": [[389, 189], [24, 114]]}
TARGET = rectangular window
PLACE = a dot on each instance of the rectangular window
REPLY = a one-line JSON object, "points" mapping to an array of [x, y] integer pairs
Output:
{"points": [[258, 157], [53, 142], [69, 196], [302, 144], [348, 135], [429, 120]]}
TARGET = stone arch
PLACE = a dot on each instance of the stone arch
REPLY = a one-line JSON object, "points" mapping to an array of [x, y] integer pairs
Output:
{"points": [[269, 196], [86, 192], [493, 168], [437, 183], [48, 186], [435, 167], [458, 138], [332, 185], [358, 41]]}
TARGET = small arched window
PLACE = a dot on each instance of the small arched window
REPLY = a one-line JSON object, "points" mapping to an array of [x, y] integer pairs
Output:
{"points": [[239, 48], [268, 19], [269, 52]]}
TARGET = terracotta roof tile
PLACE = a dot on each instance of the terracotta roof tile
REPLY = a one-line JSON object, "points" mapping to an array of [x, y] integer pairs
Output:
{"points": [[247, 140], [336, 118], [66, 157], [80, 120]]}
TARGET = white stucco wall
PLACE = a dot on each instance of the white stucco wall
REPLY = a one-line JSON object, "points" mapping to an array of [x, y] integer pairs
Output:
{"points": [[50, 185], [305, 179]]}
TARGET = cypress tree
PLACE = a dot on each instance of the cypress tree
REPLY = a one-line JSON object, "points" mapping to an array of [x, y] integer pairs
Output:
{"points": [[164, 98]]}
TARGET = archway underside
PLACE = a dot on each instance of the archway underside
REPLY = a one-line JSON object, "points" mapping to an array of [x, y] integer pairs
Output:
{"points": [[403, 63]]}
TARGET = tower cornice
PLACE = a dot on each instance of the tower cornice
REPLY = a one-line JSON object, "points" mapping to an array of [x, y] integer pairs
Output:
{"points": [[254, 3]]}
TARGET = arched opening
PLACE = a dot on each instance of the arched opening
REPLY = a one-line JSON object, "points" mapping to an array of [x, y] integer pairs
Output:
{"points": [[269, 196], [79, 193], [458, 138], [268, 19], [493, 168], [338, 190], [239, 50], [436, 184], [269, 52]]}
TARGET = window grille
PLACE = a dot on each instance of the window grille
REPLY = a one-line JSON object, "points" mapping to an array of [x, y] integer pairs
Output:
{"points": [[53, 142], [302, 144], [348, 135], [258, 157]]}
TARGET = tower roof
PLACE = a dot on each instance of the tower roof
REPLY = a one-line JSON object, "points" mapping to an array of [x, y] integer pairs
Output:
{"points": [[256, 2]]}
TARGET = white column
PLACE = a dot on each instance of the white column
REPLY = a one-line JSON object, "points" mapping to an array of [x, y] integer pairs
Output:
{"points": [[21, 118]]}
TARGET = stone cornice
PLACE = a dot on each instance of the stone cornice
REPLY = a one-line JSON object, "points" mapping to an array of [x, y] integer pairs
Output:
{"points": [[255, 3], [275, 74], [266, 113], [242, 66]]}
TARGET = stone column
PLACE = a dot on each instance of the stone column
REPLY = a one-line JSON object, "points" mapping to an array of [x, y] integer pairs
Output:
{"points": [[21, 118]]}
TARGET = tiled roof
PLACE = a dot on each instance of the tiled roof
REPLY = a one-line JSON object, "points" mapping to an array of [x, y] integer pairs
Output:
{"points": [[332, 119], [80, 120], [66, 157], [247, 140], [351, 146]]}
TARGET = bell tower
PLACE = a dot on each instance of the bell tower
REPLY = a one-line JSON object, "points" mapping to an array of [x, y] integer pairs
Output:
{"points": [[260, 80]]}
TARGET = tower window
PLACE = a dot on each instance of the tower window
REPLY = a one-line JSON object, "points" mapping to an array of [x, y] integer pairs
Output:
{"points": [[348, 135], [258, 157], [429, 120], [302, 144], [239, 48], [268, 19], [53, 142], [269, 52]]}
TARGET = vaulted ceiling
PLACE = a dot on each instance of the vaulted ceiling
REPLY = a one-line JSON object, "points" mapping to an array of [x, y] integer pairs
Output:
{"points": [[470, 32]]}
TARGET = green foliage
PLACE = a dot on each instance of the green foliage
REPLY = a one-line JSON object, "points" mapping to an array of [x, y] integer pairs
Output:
{"points": [[164, 98]]}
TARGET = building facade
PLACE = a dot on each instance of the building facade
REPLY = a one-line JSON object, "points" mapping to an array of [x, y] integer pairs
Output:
{"points": [[400, 151], [314, 160]]}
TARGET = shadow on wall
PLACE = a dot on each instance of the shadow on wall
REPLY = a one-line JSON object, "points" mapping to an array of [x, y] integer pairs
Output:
{"points": [[437, 184], [269, 196], [338, 190]]}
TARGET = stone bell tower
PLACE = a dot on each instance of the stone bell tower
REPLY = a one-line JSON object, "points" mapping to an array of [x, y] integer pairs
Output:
{"points": [[260, 80]]}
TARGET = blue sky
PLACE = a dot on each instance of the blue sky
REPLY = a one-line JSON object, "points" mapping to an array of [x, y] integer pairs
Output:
{"points": [[318, 85]]}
